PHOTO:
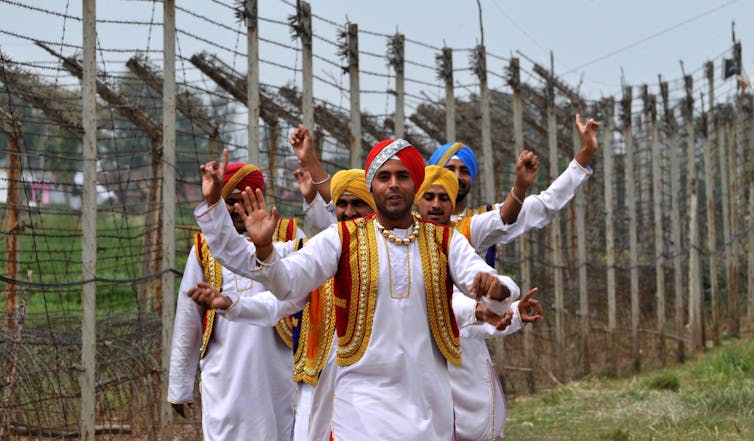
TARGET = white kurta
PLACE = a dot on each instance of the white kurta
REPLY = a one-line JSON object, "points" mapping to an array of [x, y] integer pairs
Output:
{"points": [[477, 393], [246, 386], [318, 215], [399, 389], [265, 309]]}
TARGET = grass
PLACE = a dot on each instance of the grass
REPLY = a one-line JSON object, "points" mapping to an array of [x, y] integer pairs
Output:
{"points": [[709, 398]]}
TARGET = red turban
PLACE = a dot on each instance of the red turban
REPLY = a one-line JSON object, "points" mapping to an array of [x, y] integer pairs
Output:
{"points": [[406, 153], [239, 176]]}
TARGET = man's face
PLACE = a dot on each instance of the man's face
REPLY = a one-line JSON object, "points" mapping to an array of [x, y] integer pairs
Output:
{"points": [[349, 206], [435, 205], [393, 190], [464, 177], [230, 201]]}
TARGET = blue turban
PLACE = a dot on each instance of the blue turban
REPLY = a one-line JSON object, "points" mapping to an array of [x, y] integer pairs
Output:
{"points": [[444, 153]]}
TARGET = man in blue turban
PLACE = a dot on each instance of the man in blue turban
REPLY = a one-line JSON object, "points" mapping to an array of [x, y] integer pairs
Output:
{"points": [[458, 158]]}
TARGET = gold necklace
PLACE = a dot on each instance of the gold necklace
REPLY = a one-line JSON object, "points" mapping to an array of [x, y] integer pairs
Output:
{"points": [[387, 234]]}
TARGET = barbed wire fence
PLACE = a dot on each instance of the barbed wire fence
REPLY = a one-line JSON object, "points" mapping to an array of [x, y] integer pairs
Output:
{"points": [[650, 262]]}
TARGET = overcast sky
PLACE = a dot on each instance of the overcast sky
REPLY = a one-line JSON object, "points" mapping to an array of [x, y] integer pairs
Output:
{"points": [[592, 40]]}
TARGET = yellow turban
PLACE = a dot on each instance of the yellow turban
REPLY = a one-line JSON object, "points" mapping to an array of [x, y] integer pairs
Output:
{"points": [[436, 175], [351, 181]]}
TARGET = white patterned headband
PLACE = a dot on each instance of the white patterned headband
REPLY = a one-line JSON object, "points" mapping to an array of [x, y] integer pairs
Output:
{"points": [[382, 157]]}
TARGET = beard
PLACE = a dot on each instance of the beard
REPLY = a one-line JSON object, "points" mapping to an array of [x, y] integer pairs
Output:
{"points": [[463, 191]]}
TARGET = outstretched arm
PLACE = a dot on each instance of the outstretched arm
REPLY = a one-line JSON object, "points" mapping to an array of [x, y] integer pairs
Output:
{"points": [[303, 147], [261, 309]]}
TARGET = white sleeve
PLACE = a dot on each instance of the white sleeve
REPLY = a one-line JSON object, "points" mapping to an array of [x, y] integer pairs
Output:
{"points": [[464, 264], [261, 309], [318, 215], [187, 336], [464, 309], [233, 252], [484, 330], [536, 212], [294, 276]]}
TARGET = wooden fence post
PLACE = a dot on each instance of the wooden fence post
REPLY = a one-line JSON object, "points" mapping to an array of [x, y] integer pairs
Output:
{"points": [[89, 225], [304, 15], [353, 75], [709, 183], [445, 68], [730, 247], [10, 125], [628, 142], [556, 234], [609, 170], [168, 211], [695, 268], [488, 160], [650, 110], [675, 218], [721, 115], [584, 365], [397, 60], [252, 79]]}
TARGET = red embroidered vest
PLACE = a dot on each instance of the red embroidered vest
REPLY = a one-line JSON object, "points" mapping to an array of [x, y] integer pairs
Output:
{"points": [[356, 288]]}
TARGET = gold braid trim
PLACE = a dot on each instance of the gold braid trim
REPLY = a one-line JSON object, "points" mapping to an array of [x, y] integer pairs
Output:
{"points": [[299, 358], [213, 273], [365, 274], [434, 241], [285, 231], [319, 336]]}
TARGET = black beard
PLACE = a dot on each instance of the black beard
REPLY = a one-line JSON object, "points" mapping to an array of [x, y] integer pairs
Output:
{"points": [[461, 196]]}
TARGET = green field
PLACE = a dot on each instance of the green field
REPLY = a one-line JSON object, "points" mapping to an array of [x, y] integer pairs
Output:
{"points": [[50, 248], [709, 398]]}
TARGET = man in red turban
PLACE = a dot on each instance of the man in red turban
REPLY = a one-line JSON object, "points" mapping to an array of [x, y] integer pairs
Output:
{"points": [[256, 406]]}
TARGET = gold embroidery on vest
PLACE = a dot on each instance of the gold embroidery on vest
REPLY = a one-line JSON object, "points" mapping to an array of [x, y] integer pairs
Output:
{"points": [[213, 273], [309, 362], [364, 275], [436, 279]]}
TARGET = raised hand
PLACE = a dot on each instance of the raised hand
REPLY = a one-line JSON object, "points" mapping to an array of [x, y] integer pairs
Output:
{"points": [[260, 224], [588, 133], [212, 179], [527, 167], [488, 285], [527, 304], [304, 179], [303, 146], [206, 295]]}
